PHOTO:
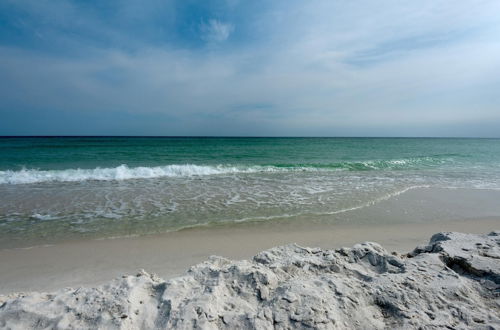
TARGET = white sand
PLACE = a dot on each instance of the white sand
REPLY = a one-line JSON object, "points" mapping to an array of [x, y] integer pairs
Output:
{"points": [[452, 282]]}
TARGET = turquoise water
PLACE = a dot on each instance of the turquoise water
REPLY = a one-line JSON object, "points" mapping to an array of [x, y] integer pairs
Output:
{"points": [[349, 153], [56, 188]]}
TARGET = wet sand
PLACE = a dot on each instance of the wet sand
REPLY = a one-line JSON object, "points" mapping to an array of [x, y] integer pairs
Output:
{"points": [[86, 263]]}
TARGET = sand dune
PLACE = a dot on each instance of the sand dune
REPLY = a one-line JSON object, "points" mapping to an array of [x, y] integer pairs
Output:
{"points": [[452, 282]]}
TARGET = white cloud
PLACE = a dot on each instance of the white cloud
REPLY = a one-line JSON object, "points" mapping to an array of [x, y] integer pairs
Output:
{"points": [[215, 31], [320, 65]]}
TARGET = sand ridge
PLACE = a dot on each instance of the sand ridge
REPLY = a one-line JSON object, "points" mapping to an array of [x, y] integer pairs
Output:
{"points": [[451, 282]]}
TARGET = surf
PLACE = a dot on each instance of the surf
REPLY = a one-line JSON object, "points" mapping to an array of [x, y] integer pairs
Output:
{"points": [[124, 172]]}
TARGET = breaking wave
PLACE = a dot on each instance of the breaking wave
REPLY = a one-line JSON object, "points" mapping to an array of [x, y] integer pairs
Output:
{"points": [[123, 172]]}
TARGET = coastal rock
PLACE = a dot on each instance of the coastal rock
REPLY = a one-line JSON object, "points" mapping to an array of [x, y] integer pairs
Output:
{"points": [[453, 282]]}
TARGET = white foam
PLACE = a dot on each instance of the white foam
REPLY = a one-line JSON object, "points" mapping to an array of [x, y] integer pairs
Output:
{"points": [[43, 217], [123, 172]]}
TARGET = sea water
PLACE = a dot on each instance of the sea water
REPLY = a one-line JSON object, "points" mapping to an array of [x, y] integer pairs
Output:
{"points": [[55, 188]]}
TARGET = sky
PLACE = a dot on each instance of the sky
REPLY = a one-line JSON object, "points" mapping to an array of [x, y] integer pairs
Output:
{"points": [[250, 68]]}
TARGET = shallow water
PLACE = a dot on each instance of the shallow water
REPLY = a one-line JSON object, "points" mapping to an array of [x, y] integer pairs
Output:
{"points": [[63, 188]]}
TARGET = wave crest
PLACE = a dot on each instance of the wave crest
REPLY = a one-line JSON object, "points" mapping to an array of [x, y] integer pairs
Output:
{"points": [[123, 172]]}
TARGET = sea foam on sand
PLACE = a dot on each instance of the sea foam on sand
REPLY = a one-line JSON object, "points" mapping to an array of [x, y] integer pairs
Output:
{"points": [[454, 282]]}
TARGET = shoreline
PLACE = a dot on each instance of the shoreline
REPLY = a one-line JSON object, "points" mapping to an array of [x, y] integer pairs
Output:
{"points": [[415, 204], [93, 262]]}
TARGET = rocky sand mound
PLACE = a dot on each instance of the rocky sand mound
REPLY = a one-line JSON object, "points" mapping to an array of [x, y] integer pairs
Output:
{"points": [[454, 282]]}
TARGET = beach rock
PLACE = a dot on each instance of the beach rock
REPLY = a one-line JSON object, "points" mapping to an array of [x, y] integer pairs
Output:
{"points": [[453, 282]]}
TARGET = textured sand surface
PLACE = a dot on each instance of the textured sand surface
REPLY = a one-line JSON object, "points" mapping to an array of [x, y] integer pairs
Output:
{"points": [[453, 282]]}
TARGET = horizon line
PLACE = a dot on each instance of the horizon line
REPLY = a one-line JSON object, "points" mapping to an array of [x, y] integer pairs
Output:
{"points": [[244, 136]]}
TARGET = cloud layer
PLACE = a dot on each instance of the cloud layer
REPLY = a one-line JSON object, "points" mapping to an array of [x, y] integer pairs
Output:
{"points": [[322, 68]]}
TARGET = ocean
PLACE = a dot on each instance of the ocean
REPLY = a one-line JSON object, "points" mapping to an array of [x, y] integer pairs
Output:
{"points": [[60, 188]]}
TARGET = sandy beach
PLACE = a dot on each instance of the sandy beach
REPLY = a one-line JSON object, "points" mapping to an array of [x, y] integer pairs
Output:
{"points": [[39, 283], [365, 286], [249, 165], [304, 263]]}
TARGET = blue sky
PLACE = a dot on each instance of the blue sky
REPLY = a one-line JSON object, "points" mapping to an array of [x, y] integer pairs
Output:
{"points": [[268, 68]]}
